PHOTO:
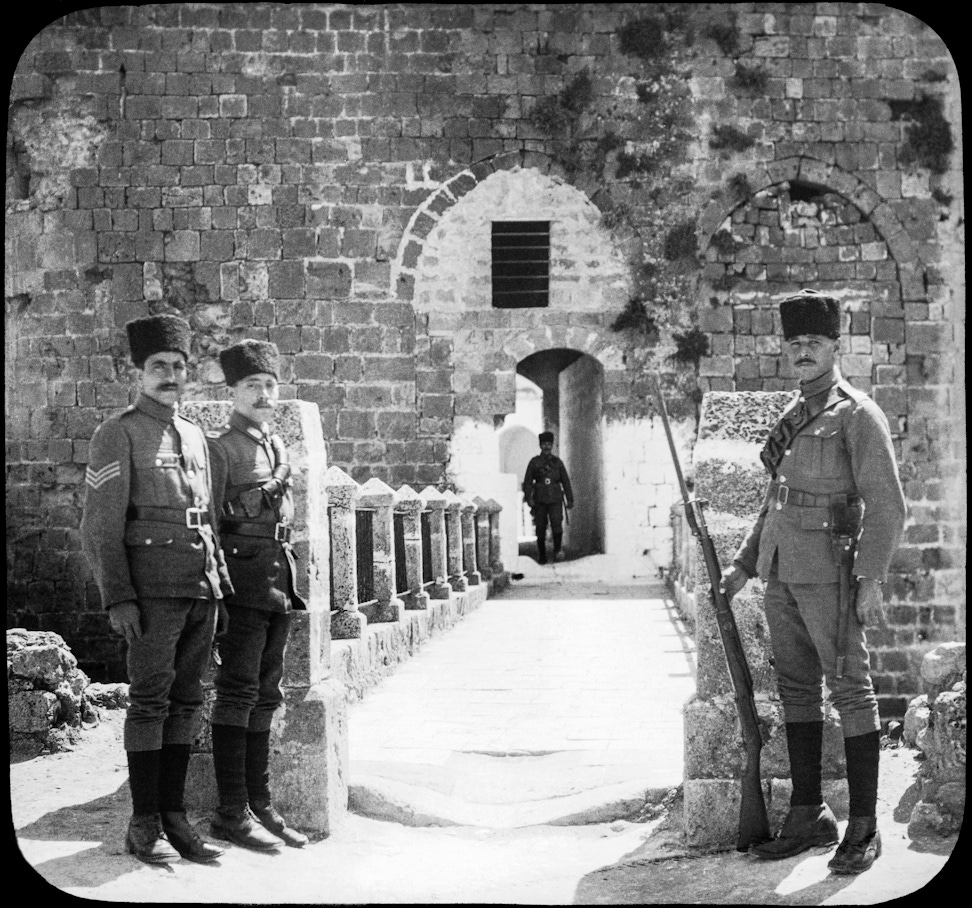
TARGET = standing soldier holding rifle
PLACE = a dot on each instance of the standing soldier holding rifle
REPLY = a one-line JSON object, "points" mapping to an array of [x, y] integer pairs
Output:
{"points": [[823, 541]]}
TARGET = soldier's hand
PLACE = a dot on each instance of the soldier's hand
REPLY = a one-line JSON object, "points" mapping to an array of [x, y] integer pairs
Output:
{"points": [[733, 579], [222, 618], [869, 604], [125, 620]]}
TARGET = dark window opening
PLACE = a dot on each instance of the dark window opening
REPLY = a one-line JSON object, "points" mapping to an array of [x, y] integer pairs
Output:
{"points": [[804, 191], [521, 264]]}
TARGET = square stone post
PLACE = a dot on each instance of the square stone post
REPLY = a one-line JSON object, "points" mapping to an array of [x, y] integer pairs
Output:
{"points": [[309, 734], [482, 539], [435, 504], [453, 519], [410, 506], [343, 493], [493, 509], [381, 499], [468, 510]]}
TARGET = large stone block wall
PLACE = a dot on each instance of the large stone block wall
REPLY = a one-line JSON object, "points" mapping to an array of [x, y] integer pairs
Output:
{"points": [[319, 175]]}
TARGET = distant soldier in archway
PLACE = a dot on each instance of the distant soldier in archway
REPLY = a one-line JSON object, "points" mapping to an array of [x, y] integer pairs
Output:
{"points": [[546, 488]]}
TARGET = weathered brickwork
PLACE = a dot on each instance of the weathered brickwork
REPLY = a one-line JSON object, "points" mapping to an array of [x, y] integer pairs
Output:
{"points": [[320, 176]]}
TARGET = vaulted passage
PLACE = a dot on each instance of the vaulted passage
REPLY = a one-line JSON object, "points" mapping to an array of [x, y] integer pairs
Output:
{"points": [[571, 384]]}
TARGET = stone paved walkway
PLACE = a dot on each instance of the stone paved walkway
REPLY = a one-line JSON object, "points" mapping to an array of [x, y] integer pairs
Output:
{"points": [[557, 701]]}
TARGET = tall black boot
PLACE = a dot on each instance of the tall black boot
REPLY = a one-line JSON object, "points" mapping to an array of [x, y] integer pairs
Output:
{"points": [[234, 821], [173, 766], [861, 845], [541, 549], [557, 542], [258, 789], [145, 837], [809, 822]]}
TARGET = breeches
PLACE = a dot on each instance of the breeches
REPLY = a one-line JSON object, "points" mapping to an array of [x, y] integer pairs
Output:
{"points": [[252, 654], [554, 513], [803, 621], [165, 670]]}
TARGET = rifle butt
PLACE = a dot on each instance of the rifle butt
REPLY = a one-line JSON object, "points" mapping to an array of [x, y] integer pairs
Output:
{"points": [[753, 821]]}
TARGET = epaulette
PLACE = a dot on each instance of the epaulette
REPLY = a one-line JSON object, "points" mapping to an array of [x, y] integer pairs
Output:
{"points": [[131, 408], [218, 433], [848, 390]]}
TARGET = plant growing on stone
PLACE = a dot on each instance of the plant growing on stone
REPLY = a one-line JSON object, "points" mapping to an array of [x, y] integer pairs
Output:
{"points": [[753, 79], [729, 138]]}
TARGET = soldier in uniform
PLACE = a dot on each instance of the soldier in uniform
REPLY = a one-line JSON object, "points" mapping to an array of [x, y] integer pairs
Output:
{"points": [[829, 525], [252, 491], [148, 533], [546, 486]]}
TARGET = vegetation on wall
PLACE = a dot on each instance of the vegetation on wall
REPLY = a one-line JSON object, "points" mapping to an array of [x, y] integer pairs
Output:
{"points": [[928, 137], [726, 137]]}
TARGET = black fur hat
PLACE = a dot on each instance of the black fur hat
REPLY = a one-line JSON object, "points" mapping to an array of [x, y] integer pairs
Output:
{"points": [[248, 357], [546, 436], [810, 312], [157, 334]]}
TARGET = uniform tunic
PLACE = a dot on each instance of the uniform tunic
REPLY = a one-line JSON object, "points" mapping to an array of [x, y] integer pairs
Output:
{"points": [[841, 449], [254, 526], [147, 531], [545, 486]]}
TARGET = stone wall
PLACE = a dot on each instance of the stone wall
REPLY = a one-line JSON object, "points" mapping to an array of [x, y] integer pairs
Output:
{"points": [[319, 175]]}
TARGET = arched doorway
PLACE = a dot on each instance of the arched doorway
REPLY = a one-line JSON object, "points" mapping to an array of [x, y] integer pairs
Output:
{"points": [[572, 383]]}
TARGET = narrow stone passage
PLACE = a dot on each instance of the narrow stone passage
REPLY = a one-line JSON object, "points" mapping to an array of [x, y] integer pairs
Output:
{"points": [[559, 701]]}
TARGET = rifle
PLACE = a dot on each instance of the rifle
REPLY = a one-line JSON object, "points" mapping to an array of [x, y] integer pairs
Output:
{"points": [[753, 822]]}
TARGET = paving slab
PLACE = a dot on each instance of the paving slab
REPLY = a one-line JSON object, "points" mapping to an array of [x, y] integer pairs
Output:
{"points": [[558, 702]]}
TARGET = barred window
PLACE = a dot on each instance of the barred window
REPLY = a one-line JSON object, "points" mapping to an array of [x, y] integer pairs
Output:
{"points": [[521, 264]]}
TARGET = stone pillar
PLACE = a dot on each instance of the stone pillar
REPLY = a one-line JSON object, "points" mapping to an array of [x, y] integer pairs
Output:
{"points": [[381, 499], [309, 734], [729, 474], [410, 506], [468, 510], [453, 519], [493, 509], [482, 539], [435, 504], [342, 493]]}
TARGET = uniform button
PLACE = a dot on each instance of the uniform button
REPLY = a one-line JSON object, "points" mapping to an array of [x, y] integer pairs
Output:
{"points": [[235, 551], [148, 541], [779, 506], [782, 479], [826, 524], [190, 473], [787, 453], [158, 462], [816, 431]]}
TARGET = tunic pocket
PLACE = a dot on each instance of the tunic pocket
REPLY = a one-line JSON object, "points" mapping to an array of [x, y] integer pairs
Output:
{"points": [[815, 519], [237, 548]]}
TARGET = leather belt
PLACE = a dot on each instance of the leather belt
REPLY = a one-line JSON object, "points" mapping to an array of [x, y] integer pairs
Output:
{"points": [[281, 532], [785, 495], [194, 518]]}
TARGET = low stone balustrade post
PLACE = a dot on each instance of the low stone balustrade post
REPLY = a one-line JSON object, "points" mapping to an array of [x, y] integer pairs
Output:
{"points": [[468, 511], [493, 508], [482, 539], [381, 499], [410, 505], [453, 520], [342, 495], [435, 504]]}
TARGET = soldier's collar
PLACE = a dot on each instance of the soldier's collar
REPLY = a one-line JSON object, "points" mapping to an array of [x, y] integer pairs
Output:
{"points": [[820, 384], [153, 408], [256, 431]]}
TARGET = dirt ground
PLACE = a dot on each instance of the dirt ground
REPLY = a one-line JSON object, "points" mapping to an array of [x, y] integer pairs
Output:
{"points": [[69, 811]]}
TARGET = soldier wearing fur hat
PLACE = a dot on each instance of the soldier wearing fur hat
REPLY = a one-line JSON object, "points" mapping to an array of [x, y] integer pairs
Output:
{"points": [[823, 541], [252, 490], [546, 489], [148, 533]]}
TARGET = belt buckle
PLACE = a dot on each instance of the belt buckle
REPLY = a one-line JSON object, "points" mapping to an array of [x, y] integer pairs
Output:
{"points": [[198, 514], [281, 532], [783, 494]]}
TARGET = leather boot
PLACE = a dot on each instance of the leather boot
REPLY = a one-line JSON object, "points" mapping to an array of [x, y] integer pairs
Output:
{"points": [[265, 812], [239, 826], [541, 551], [146, 840], [186, 840], [804, 827], [860, 847]]}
